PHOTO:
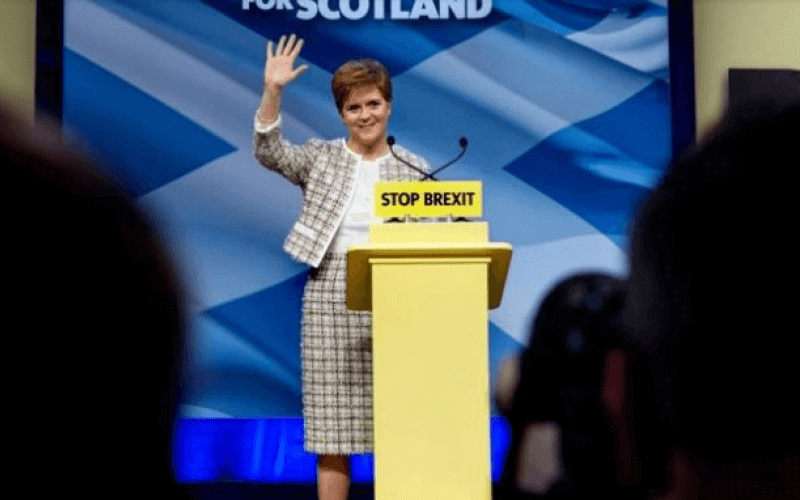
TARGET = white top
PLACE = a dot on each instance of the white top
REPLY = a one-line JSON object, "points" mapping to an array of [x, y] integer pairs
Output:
{"points": [[361, 214]]}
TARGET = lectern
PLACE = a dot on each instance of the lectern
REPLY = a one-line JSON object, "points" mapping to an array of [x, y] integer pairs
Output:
{"points": [[430, 287]]}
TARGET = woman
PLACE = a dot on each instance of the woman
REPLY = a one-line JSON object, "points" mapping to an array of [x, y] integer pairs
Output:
{"points": [[337, 180]]}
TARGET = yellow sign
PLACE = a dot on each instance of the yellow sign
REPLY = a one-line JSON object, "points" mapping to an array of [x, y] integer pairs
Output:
{"points": [[428, 199]]}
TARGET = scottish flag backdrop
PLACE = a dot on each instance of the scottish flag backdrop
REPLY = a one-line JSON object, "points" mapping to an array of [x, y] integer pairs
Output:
{"points": [[565, 104]]}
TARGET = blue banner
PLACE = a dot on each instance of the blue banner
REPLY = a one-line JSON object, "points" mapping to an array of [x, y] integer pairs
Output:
{"points": [[271, 451], [565, 104]]}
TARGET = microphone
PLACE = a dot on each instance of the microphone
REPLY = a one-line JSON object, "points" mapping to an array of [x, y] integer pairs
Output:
{"points": [[390, 142], [461, 142]]}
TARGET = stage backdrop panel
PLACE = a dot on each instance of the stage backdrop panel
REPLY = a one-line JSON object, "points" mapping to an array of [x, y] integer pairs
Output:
{"points": [[565, 104]]}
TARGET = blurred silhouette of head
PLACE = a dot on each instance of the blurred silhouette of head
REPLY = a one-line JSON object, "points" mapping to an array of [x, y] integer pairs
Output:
{"points": [[577, 321], [563, 440], [708, 295], [100, 332], [579, 316]]}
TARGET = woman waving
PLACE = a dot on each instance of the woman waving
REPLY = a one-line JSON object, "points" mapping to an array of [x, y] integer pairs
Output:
{"points": [[337, 180]]}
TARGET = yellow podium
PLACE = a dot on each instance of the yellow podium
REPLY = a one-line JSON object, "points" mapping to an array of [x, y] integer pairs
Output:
{"points": [[430, 287]]}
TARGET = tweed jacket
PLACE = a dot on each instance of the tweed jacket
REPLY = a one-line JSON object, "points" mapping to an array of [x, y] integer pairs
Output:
{"points": [[326, 172]]}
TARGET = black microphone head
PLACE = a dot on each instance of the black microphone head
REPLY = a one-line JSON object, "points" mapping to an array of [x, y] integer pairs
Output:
{"points": [[463, 142], [390, 140]]}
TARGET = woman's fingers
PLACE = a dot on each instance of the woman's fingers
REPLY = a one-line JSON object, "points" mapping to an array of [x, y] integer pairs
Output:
{"points": [[297, 48], [286, 46], [289, 44], [281, 45], [299, 70], [280, 59]]}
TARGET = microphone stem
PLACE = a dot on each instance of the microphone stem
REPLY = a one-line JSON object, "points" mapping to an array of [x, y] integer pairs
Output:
{"points": [[430, 175], [425, 174]]}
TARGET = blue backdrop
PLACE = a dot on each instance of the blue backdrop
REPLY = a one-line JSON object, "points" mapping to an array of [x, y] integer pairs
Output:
{"points": [[565, 103]]}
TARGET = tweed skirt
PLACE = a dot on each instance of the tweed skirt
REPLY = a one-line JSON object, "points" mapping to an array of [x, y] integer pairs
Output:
{"points": [[337, 365]]}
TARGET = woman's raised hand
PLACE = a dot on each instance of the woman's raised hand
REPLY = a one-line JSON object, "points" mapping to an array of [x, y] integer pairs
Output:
{"points": [[280, 63]]}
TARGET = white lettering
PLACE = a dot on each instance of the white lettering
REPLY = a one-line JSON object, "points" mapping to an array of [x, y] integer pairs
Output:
{"points": [[397, 10], [361, 11], [326, 12], [354, 10], [424, 8], [457, 7], [379, 9], [473, 12], [308, 9]]}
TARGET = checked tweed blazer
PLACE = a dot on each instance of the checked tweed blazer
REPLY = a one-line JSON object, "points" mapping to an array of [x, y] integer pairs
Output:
{"points": [[326, 172]]}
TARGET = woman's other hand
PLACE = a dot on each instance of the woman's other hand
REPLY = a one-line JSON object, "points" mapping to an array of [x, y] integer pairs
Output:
{"points": [[278, 72], [280, 68]]}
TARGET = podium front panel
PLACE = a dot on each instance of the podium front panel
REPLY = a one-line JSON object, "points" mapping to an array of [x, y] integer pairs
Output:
{"points": [[431, 371]]}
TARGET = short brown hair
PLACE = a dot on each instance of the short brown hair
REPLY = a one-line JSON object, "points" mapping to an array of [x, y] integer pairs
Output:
{"points": [[359, 73]]}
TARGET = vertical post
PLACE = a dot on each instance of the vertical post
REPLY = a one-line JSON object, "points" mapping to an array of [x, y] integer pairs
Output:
{"points": [[431, 374]]}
